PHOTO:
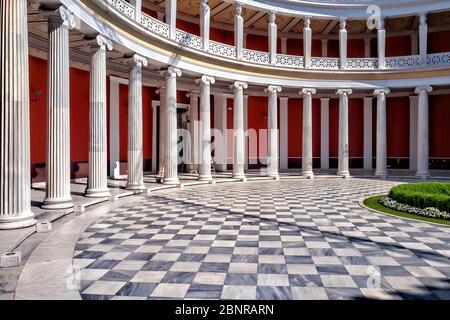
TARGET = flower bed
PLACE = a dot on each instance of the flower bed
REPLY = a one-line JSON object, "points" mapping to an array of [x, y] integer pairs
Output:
{"points": [[423, 195], [424, 212]]}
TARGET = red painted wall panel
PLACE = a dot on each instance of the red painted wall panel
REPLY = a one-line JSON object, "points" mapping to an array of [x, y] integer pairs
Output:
{"points": [[257, 120], [438, 42], [150, 12], [397, 122], [398, 46], [190, 27], [333, 49], [295, 120], [355, 48], [294, 47], [316, 127], [223, 36], [439, 119], [334, 127], [257, 42], [356, 127]]}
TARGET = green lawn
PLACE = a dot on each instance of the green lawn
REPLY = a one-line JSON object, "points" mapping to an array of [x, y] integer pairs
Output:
{"points": [[373, 203]]}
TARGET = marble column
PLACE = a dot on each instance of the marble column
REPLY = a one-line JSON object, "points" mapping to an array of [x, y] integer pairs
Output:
{"points": [[272, 38], [324, 43], [15, 199], [284, 133], [205, 17], [367, 47], [137, 4], [381, 40], [238, 30], [205, 126], [423, 38], [171, 17], [343, 43], [193, 131], [238, 126], [272, 127], [135, 179], [283, 45], [381, 160], [58, 110], [413, 121], [307, 156], [423, 132], [324, 133], [343, 161], [171, 149], [307, 42], [162, 130], [367, 162], [98, 172]]}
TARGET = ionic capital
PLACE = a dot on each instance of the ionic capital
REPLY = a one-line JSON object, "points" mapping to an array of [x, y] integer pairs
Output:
{"points": [[59, 17], [308, 91], [100, 42], [343, 92], [193, 94], [239, 85], [272, 89], [171, 72], [381, 91], [206, 80], [307, 22], [136, 61], [423, 89]]}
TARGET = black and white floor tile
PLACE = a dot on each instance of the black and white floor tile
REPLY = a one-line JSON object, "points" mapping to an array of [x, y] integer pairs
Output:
{"points": [[292, 239]]}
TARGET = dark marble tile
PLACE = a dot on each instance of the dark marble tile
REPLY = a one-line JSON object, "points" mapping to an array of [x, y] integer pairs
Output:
{"points": [[344, 294], [191, 257], [89, 255], [271, 268], [273, 293], [95, 297], [331, 269], [204, 291], [214, 267], [118, 275], [178, 277], [140, 256], [103, 264], [241, 279], [136, 289], [157, 266], [305, 280], [244, 258]]}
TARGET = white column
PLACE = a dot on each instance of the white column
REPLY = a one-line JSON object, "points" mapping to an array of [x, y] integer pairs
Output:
{"points": [[135, 180], [381, 159], [15, 180], [205, 17], [58, 110], [97, 185], [272, 127], [367, 51], [284, 45], [307, 154], [246, 136], [324, 47], [343, 133], [284, 133], [171, 149], [381, 38], [171, 17], [414, 44], [422, 132], [114, 128], [324, 133], [194, 131], [343, 43], [413, 122], [238, 30], [368, 133], [162, 130], [220, 126], [272, 38], [137, 9], [423, 38], [238, 127], [307, 40], [205, 127]]}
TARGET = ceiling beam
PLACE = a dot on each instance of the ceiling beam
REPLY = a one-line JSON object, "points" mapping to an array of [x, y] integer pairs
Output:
{"points": [[219, 8], [330, 27], [291, 24], [254, 18]]}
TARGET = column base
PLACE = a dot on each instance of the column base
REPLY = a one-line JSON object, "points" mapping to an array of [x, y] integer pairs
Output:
{"points": [[97, 193], [343, 173], [135, 186], [308, 174], [205, 177], [381, 174], [274, 175], [17, 222], [171, 181], [238, 175], [57, 204], [423, 174]]}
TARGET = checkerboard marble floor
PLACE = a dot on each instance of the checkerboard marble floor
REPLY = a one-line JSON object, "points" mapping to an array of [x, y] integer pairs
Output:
{"points": [[296, 239]]}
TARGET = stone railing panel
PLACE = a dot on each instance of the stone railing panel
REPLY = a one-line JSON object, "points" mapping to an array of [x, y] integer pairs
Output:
{"points": [[324, 63], [362, 64], [154, 25], [402, 62], [122, 6], [258, 57], [289, 61]]}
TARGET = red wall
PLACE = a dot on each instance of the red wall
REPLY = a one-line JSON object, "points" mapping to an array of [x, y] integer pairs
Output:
{"points": [[438, 42], [295, 120], [355, 48], [356, 128], [397, 46], [257, 119], [397, 122], [334, 127], [439, 118]]}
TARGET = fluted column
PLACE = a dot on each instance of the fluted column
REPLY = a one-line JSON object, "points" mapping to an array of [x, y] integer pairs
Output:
{"points": [[58, 110], [15, 201], [205, 17], [423, 132], [171, 17], [238, 126], [307, 156], [238, 30], [135, 179], [205, 127], [98, 178], [324, 133], [162, 130], [272, 38], [272, 126], [171, 151], [193, 130], [423, 38], [343, 43], [381, 164], [307, 40], [343, 133], [381, 38]]}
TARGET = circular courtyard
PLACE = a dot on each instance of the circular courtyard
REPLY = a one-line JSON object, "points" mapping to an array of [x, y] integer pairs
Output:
{"points": [[288, 239]]}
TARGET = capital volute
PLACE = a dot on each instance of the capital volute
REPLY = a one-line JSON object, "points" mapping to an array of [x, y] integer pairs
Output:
{"points": [[308, 91], [59, 17], [239, 85], [193, 94], [423, 89], [100, 42], [344, 92], [273, 89], [206, 80], [381, 91], [136, 61], [171, 72]]}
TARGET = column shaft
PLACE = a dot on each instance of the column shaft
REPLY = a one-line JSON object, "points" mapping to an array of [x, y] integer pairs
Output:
{"points": [[171, 17], [272, 126], [324, 133], [307, 40], [98, 177], [284, 133], [272, 38], [220, 136], [307, 157], [343, 161], [15, 199], [367, 133], [58, 111], [343, 44], [205, 16], [238, 31], [423, 132], [381, 168], [423, 38], [162, 130], [381, 38], [238, 126], [193, 131]]}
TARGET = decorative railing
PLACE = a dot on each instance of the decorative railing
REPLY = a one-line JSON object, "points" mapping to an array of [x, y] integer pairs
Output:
{"points": [[188, 40]]}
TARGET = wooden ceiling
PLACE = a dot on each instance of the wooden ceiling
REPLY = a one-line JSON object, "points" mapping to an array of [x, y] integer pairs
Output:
{"points": [[223, 12]]}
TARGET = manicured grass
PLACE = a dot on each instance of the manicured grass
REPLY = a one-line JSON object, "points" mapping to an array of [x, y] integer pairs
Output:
{"points": [[373, 203]]}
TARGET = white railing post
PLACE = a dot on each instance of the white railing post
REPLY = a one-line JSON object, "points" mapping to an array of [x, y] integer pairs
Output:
{"points": [[205, 16]]}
